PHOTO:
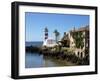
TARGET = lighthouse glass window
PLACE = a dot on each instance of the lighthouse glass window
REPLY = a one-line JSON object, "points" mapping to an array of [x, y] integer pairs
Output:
{"points": [[56, 40]]}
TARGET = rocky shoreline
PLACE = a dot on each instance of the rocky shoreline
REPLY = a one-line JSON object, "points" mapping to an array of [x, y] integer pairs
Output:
{"points": [[59, 55]]}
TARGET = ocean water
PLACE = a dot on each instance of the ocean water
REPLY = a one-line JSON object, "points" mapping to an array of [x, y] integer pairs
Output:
{"points": [[37, 44], [36, 60]]}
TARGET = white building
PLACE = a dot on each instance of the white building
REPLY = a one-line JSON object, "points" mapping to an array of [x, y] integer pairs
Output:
{"points": [[49, 42]]}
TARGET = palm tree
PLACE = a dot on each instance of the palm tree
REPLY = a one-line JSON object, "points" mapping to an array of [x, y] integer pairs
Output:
{"points": [[56, 35]]}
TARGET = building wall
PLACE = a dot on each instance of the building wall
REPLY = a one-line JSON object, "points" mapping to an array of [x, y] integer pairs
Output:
{"points": [[72, 43], [80, 52]]}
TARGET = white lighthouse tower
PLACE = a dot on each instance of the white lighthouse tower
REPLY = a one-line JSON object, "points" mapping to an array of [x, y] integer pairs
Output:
{"points": [[45, 33], [48, 42]]}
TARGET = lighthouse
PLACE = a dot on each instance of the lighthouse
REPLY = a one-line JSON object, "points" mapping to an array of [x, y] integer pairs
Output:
{"points": [[45, 33], [48, 42]]}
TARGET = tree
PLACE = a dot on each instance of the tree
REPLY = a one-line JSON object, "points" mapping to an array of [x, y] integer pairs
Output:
{"points": [[56, 35], [78, 37]]}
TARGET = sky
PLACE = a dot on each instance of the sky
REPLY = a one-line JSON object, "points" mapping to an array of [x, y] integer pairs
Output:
{"points": [[36, 22]]}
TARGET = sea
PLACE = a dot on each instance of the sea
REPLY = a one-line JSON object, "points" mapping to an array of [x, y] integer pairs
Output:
{"points": [[36, 60], [35, 43]]}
